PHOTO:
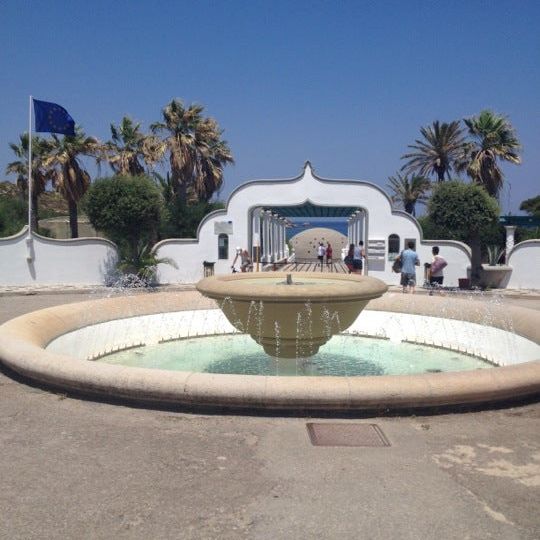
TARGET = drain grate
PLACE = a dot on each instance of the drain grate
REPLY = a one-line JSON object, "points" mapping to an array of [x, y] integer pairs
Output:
{"points": [[342, 434]]}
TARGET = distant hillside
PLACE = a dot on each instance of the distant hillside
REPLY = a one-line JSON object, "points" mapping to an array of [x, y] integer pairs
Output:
{"points": [[50, 203]]}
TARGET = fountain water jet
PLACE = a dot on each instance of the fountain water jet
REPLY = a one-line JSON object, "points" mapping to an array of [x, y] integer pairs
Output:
{"points": [[329, 298]]}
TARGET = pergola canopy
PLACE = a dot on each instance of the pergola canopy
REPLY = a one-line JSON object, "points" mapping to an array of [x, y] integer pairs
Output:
{"points": [[310, 210]]}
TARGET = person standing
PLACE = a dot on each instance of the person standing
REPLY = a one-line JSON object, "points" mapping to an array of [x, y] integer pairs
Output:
{"points": [[246, 265], [320, 253], [409, 261], [437, 265], [349, 259], [328, 253], [358, 256]]}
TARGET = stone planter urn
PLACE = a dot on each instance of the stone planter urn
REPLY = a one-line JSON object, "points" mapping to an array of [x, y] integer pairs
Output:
{"points": [[495, 276]]}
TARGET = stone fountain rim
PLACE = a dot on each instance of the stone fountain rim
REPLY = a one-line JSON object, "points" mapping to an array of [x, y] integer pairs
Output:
{"points": [[351, 287], [23, 341]]}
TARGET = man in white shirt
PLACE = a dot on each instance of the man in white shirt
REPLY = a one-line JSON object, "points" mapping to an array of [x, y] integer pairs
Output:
{"points": [[321, 252], [436, 268]]}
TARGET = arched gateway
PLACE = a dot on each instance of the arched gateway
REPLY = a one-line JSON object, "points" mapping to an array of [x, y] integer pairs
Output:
{"points": [[257, 214]]}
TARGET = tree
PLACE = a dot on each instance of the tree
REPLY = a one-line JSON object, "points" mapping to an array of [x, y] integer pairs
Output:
{"points": [[166, 186], [66, 171], [531, 206], [40, 148], [438, 152], [197, 153], [12, 215], [182, 221], [129, 149], [465, 211], [409, 191], [128, 210], [493, 140]]}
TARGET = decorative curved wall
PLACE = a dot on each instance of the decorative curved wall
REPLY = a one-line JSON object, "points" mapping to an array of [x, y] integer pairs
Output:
{"points": [[90, 261], [36, 260], [525, 262]]}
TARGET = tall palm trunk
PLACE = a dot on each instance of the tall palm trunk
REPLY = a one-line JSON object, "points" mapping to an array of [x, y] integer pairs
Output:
{"points": [[410, 208], [179, 184], [73, 223]]}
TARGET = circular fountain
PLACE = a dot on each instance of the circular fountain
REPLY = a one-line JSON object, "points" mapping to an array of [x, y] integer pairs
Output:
{"points": [[67, 347], [291, 317]]}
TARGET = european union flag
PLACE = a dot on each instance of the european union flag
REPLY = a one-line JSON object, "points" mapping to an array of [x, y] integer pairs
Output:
{"points": [[53, 118]]}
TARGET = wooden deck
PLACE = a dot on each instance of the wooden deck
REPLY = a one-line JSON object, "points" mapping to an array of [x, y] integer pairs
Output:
{"points": [[310, 265]]}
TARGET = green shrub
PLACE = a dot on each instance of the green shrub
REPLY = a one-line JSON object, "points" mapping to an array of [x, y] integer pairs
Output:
{"points": [[126, 208], [128, 211], [13, 215], [464, 212]]}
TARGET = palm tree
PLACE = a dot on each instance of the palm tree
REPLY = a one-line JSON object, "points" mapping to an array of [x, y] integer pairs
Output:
{"points": [[40, 148], [214, 155], [197, 154], [67, 173], [493, 140], [409, 191], [438, 152], [130, 149], [165, 184]]}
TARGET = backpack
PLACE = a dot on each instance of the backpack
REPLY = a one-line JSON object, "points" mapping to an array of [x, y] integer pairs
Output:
{"points": [[438, 265], [396, 267]]}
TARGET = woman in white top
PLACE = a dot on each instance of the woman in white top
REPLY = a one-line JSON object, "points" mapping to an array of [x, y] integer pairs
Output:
{"points": [[358, 255]]}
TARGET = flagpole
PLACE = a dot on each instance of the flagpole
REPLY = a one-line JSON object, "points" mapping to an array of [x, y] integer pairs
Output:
{"points": [[30, 166]]}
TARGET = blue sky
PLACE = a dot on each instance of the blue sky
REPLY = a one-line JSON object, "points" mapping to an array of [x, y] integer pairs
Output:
{"points": [[345, 84]]}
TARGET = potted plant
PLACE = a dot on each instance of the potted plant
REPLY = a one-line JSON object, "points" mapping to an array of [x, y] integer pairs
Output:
{"points": [[495, 275]]}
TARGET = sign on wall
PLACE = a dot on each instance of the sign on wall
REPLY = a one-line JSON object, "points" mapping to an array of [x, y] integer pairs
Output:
{"points": [[223, 227]]}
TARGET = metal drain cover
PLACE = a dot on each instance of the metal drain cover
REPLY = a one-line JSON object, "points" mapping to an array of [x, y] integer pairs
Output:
{"points": [[342, 434]]}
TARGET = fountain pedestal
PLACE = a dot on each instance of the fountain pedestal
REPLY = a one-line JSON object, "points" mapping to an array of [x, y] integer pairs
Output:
{"points": [[291, 320]]}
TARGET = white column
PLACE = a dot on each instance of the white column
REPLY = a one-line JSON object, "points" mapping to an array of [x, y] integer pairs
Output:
{"points": [[274, 238], [283, 239], [356, 233], [510, 231], [360, 226], [271, 238], [254, 229], [280, 237], [269, 224], [266, 229], [256, 237], [285, 247]]}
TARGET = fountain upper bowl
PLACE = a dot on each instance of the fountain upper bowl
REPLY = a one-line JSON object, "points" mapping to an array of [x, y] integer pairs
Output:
{"points": [[312, 286]]}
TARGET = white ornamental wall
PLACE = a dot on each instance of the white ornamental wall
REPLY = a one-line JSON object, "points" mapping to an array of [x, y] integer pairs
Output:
{"points": [[525, 262], [382, 221], [37, 260]]}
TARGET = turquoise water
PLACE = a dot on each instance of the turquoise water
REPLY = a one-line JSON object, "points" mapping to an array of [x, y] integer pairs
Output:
{"points": [[343, 355]]}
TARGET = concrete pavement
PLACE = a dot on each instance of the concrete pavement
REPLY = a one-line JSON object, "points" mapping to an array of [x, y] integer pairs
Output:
{"points": [[72, 468]]}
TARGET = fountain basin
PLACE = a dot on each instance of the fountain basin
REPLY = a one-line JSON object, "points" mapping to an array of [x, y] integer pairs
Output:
{"points": [[25, 347], [291, 320]]}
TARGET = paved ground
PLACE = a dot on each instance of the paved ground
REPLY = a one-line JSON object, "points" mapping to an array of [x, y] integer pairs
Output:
{"points": [[71, 468]]}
